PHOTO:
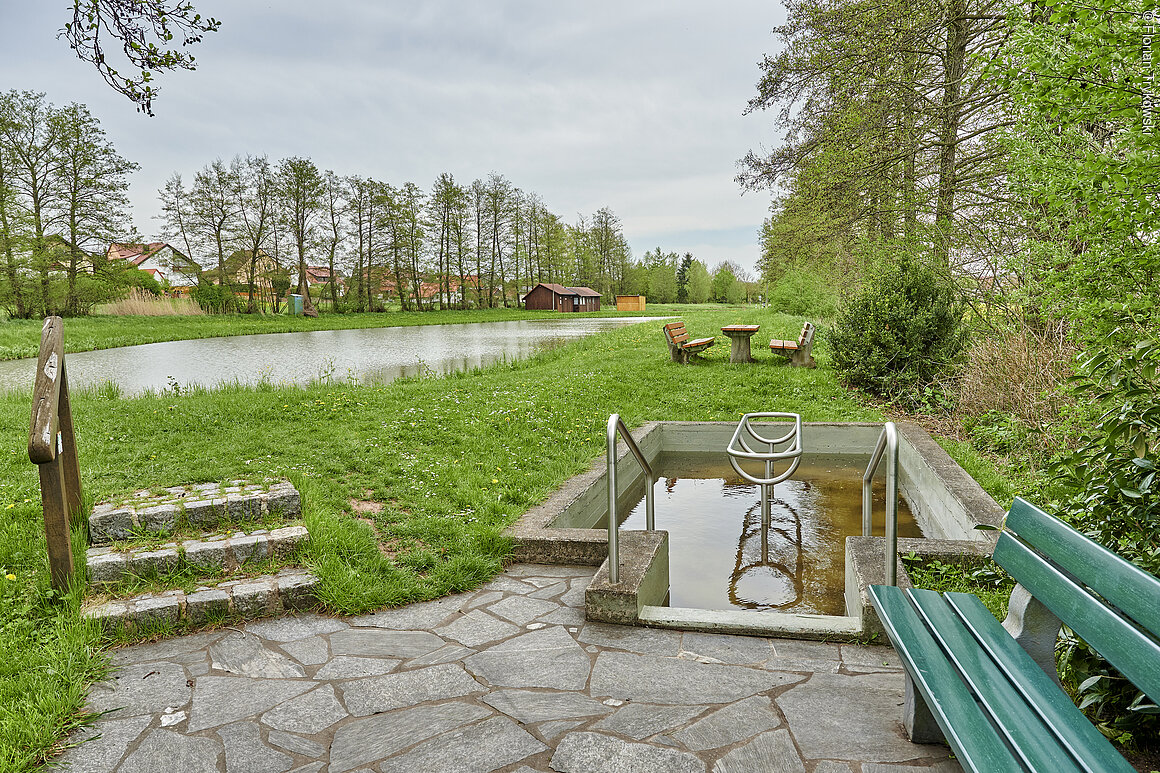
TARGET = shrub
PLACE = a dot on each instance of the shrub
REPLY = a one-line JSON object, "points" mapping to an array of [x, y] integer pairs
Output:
{"points": [[1110, 490], [215, 299], [901, 333]]}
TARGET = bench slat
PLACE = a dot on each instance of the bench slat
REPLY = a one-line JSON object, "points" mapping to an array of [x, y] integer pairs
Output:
{"points": [[1032, 740], [1072, 728], [966, 727], [1132, 651], [1126, 586], [700, 343]]}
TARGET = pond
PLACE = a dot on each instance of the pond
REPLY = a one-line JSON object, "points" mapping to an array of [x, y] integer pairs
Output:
{"points": [[365, 355]]}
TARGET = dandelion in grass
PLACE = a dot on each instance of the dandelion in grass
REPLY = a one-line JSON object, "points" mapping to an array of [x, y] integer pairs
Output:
{"points": [[10, 576]]}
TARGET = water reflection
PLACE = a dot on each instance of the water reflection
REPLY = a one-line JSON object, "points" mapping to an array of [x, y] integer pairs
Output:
{"points": [[721, 558], [368, 355], [764, 578]]}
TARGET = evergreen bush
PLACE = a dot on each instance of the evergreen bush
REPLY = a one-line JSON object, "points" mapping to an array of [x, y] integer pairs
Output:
{"points": [[901, 333]]}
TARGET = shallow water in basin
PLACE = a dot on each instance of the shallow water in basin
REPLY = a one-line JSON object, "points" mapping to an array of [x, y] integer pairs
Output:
{"points": [[721, 558]]}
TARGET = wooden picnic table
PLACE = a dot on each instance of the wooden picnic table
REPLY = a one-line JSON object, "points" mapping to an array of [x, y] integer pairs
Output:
{"points": [[740, 335]]}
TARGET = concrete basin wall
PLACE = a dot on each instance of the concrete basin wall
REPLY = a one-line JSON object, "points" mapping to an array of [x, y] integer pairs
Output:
{"points": [[947, 503]]}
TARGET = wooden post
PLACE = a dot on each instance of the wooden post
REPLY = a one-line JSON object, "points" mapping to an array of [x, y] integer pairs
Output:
{"points": [[52, 448]]}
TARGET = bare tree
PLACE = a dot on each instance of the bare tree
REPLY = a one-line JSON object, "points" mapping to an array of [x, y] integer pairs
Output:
{"points": [[257, 211], [301, 191], [215, 209], [334, 204], [137, 26]]}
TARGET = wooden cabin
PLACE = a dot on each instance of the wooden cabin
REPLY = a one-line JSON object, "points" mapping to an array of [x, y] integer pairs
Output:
{"points": [[630, 303], [553, 297]]}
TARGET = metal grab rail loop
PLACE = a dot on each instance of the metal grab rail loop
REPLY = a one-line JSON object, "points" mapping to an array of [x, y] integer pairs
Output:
{"points": [[739, 449], [615, 425], [793, 436], [887, 446]]}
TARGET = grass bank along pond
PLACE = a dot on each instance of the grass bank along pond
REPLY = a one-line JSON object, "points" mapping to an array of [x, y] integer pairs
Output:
{"points": [[447, 463]]}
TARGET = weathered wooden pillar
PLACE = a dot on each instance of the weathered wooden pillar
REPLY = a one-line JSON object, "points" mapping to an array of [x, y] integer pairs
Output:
{"points": [[52, 448]]}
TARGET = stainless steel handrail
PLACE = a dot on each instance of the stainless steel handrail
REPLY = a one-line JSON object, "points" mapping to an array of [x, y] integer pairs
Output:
{"points": [[887, 446], [615, 424]]}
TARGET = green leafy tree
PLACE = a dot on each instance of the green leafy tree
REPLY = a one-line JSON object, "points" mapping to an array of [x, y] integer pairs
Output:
{"points": [[726, 288], [94, 185], [1084, 157], [683, 278], [700, 283]]}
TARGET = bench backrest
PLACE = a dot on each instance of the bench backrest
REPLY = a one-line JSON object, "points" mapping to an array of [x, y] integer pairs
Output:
{"points": [[675, 333], [807, 335], [1111, 604]]}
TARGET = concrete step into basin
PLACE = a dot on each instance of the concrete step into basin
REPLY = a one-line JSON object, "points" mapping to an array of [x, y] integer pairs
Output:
{"points": [[753, 623]]}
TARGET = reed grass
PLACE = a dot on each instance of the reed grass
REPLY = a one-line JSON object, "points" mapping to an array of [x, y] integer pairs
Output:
{"points": [[141, 303]]}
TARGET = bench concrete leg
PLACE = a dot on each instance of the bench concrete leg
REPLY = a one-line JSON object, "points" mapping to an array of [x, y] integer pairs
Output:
{"points": [[920, 724], [802, 358], [678, 354], [1035, 627]]}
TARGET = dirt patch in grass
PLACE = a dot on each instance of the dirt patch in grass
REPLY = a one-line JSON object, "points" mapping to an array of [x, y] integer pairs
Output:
{"points": [[366, 506]]}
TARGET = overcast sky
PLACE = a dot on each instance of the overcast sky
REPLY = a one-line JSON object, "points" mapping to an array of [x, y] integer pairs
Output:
{"points": [[635, 105]]}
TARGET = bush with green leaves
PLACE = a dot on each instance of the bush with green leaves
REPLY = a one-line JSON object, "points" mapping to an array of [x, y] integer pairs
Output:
{"points": [[215, 299], [1109, 488], [804, 292], [901, 333]]}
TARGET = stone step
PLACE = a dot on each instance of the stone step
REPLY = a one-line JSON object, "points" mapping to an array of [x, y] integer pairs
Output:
{"points": [[247, 598], [213, 554], [202, 506]]}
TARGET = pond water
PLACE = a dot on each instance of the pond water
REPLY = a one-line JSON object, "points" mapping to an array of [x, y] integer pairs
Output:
{"points": [[721, 558], [366, 355]]}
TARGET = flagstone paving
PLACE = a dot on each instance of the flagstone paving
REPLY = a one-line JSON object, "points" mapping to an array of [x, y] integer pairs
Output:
{"points": [[506, 679]]}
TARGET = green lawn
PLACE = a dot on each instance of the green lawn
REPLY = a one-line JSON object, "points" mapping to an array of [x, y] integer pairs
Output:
{"points": [[452, 460]]}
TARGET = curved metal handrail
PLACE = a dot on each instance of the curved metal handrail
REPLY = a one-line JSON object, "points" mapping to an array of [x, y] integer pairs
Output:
{"points": [[615, 425], [739, 449], [887, 446]]}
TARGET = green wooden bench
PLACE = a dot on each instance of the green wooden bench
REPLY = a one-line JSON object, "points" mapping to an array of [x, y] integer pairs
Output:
{"points": [[998, 704]]}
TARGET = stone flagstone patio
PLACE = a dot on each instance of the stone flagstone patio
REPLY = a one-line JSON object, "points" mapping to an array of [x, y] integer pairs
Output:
{"points": [[508, 678]]}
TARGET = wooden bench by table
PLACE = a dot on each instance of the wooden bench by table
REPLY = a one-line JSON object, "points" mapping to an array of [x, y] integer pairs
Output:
{"points": [[997, 703], [680, 347], [799, 351], [740, 335]]}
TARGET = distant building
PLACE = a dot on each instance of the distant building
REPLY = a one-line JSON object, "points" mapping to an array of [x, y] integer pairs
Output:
{"points": [[172, 268], [449, 292], [553, 297], [630, 303]]}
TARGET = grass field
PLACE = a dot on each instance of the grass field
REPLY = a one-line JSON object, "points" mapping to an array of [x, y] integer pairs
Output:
{"points": [[451, 461]]}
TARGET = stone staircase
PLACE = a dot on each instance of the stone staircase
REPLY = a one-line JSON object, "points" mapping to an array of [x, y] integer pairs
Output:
{"points": [[126, 545]]}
